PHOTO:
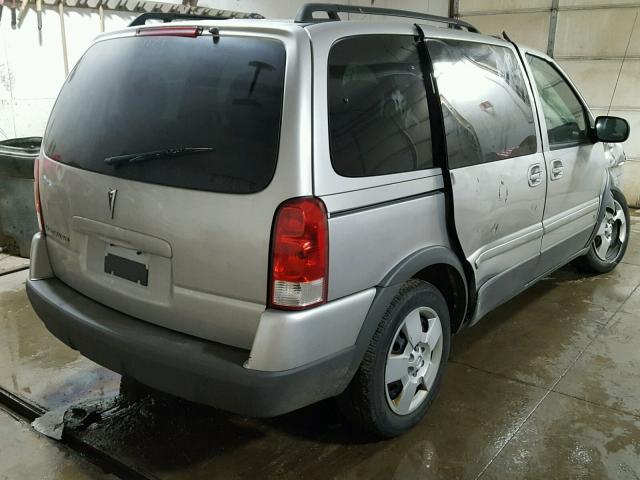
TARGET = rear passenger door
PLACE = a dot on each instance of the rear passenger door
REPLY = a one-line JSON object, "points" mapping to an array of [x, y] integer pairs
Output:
{"points": [[576, 165], [497, 169]]}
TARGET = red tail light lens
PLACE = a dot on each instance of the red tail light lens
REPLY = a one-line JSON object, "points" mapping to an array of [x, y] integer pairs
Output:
{"points": [[36, 192], [299, 255]]}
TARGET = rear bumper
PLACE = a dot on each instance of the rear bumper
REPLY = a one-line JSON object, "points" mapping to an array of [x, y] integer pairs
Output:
{"points": [[186, 366]]}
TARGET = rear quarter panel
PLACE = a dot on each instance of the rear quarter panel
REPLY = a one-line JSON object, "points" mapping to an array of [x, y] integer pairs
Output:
{"points": [[374, 222]]}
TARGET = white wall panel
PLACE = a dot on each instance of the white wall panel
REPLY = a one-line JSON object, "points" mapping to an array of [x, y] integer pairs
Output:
{"points": [[7, 129], [469, 6], [634, 43], [628, 91], [596, 3], [7, 124], [31, 115], [531, 29], [595, 79], [270, 8], [32, 71], [594, 33], [34, 57], [631, 182]]}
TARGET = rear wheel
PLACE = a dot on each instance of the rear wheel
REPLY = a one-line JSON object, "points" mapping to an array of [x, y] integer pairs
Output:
{"points": [[611, 239], [401, 372]]}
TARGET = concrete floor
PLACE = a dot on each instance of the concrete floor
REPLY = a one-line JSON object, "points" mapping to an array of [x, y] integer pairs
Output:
{"points": [[10, 263], [24, 454], [547, 386]]}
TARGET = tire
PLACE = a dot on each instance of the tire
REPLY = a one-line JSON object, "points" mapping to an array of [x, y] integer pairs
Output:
{"points": [[374, 401], [615, 225]]}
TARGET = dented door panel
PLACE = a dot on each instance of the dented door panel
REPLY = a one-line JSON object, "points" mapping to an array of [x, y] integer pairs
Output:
{"points": [[498, 173], [498, 215]]}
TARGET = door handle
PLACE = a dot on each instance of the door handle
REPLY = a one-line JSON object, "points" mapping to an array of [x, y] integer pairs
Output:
{"points": [[557, 169], [534, 175]]}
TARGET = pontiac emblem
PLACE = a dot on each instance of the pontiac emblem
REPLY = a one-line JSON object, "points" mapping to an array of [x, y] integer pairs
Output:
{"points": [[112, 200]]}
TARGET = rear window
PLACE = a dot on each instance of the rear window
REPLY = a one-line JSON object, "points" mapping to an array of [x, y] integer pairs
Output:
{"points": [[148, 94]]}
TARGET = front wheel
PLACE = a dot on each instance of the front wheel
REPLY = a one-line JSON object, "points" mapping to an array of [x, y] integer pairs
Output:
{"points": [[401, 372], [611, 239]]}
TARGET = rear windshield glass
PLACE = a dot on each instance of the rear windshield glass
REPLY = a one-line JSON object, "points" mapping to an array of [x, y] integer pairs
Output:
{"points": [[155, 94]]}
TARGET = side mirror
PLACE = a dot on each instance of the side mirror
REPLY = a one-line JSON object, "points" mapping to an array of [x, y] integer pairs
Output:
{"points": [[611, 129]]}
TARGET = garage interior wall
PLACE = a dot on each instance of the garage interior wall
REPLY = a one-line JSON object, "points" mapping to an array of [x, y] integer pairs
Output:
{"points": [[32, 64], [597, 42]]}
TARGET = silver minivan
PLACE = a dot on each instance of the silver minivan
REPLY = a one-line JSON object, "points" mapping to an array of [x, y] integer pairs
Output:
{"points": [[259, 214]]}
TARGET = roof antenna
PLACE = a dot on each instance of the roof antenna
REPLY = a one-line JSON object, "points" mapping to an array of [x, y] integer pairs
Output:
{"points": [[506, 37]]}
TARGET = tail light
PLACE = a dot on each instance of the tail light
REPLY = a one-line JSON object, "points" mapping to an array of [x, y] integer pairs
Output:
{"points": [[36, 192], [299, 255]]}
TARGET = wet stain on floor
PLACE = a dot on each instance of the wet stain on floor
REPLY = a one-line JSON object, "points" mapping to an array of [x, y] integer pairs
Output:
{"points": [[569, 438], [34, 364], [537, 335]]}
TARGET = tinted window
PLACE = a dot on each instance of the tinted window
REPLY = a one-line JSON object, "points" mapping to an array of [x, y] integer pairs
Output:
{"points": [[563, 111], [378, 112], [486, 107], [141, 94]]}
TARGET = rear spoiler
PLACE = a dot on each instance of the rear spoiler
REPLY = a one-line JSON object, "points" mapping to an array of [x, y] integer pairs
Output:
{"points": [[167, 17]]}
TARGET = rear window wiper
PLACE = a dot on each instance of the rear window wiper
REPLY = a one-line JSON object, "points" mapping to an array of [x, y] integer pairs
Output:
{"points": [[154, 155]]}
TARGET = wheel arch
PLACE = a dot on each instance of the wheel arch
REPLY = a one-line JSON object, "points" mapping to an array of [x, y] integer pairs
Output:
{"points": [[441, 267], [438, 265], [605, 201]]}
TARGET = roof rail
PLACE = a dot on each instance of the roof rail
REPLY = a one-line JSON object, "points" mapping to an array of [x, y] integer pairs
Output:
{"points": [[170, 17], [305, 14]]}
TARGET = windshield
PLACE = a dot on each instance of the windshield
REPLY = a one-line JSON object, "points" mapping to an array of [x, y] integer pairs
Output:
{"points": [[149, 94]]}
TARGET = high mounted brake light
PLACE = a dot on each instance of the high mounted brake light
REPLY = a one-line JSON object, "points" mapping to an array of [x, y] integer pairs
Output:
{"points": [[299, 255], [191, 32]]}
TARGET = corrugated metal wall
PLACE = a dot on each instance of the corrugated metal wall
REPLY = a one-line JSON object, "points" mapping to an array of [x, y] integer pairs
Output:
{"points": [[597, 43]]}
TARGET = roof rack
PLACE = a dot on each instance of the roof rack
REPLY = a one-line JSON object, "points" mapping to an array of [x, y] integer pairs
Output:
{"points": [[305, 14], [170, 17]]}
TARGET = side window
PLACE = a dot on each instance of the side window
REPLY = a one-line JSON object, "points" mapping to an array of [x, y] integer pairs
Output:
{"points": [[564, 113], [378, 111], [486, 108]]}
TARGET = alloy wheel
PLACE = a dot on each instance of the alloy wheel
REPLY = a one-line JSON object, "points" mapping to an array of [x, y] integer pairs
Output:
{"points": [[413, 360], [611, 234]]}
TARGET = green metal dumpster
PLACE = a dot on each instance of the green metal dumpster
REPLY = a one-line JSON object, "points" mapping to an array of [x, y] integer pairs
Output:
{"points": [[18, 221]]}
